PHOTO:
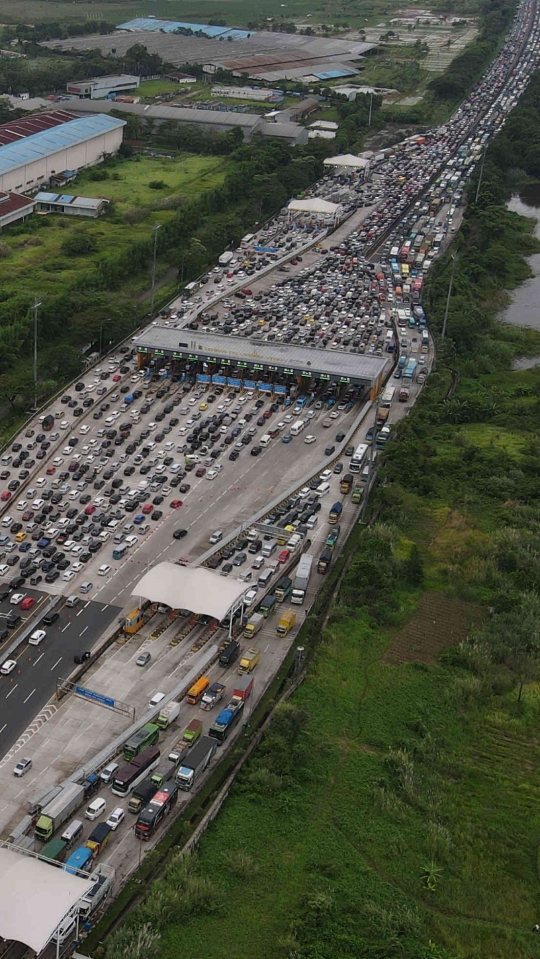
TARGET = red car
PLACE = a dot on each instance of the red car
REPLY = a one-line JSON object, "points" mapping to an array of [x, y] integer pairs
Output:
{"points": [[5, 496], [116, 378], [27, 602], [283, 556], [147, 508], [200, 472], [89, 510], [51, 470], [176, 503]]}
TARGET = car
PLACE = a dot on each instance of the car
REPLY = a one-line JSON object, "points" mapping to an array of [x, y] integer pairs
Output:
{"points": [[143, 659], [310, 438], [95, 809], [8, 666], [117, 816], [104, 569], [176, 503], [157, 514], [23, 766], [239, 559], [5, 496], [329, 450], [200, 471], [287, 438], [283, 556], [147, 508], [37, 637], [250, 596], [179, 533], [16, 599]]}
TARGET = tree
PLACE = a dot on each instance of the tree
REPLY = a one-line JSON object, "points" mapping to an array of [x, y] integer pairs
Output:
{"points": [[414, 567]]}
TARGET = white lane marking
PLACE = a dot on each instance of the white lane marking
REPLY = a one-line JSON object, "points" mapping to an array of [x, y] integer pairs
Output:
{"points": [[29, 695], [83, 631], [66, 627], [56, 663], [38, 659], [80, 611], [3, 727], [12, 690]]}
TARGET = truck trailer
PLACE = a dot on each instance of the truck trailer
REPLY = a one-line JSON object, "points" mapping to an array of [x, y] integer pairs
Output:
{"points": [[253, 625], [56, 813], [195, 762], [301, 579]]}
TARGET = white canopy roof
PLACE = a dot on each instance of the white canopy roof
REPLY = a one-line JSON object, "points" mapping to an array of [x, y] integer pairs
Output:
{"points": [[314, 204], [35, 897], [348, 160], [198, 589]]}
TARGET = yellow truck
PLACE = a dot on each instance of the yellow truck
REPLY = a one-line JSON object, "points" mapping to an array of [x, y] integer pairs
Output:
{"points": [[248, 661], [286, 622]]}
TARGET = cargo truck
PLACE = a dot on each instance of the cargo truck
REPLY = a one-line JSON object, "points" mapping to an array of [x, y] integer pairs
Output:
{"points": [[212, 696], [346, 482], [192, 732], [98, 838], [56, 813], [286, 622], [325, 560], [228, 655], [243, 688], [333, 537], [55, 850], [79, 861], [168, 714], [102, 880], [357, 494], [301, 579], [178, 751], [142, 794], [283, 588], [335, 513], [227, 720], [195, 762], [266, 606], [249, 660], [253, 625]]}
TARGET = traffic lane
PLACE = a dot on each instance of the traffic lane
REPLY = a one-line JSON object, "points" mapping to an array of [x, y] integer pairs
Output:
{"points": [[30, 686], [35, 614]]}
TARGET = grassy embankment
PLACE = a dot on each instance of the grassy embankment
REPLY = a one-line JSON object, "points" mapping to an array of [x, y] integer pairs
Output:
{"points": [[392, 809]]}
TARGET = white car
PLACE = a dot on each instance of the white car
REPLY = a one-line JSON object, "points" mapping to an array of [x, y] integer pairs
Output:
{"points": [[22, 504], [38, 503], [117, 816], [16, 598], [85, 429], [41, 481], [68, 576], [76, 568], [37, 637], [334, 415], [310, 438], [22, 767], [211, 475], [104, 569], [64, 425], [8, 666]]}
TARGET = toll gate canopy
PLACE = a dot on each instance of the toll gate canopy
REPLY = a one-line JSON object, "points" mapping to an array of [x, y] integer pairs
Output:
{"points": [[262, 358], [198, 589]]}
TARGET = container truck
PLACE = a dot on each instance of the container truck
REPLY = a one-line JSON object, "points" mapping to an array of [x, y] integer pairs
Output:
{"points": [[248, 661], [80, 861], [195, 762], [141, 795], [212, 696], [59, 810], [55, 850], [168, 714], [253, 625], [192, 732], [227, 720], [266, 606], [98, 838], [243, 688], [228, 655], [325, 560], [283, 588], [301, 579], [286, 622], [102, 880], [335, 513]]}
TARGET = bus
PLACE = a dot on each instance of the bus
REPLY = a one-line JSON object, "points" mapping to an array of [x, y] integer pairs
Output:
{"points": [[226, 721], [408, 372], [156, 810], [358, 457], [148, 735], [297, 427], [387, 396], [131, 774]]}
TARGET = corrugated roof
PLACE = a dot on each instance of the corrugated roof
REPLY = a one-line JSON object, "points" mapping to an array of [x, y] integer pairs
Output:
{"points": [[10, 202], [151, 25], [66, 199], [226, 118], [14, 155], [15, 130]]}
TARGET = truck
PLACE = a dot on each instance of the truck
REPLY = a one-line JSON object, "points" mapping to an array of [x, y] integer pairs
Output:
{"points": [[102, 880], [286, 622], [55, 850], [283, 588], [227, 720], [178, 751], [249, 660], [333, 537], [98, 838], [168, 714], [404, 394], [346, 482], [253, 625], [91, 785], [382, 417], [335, 512], [301, 579], [243, 688], [266, 606], [164, 772], [141, 795], [57, 811], [47, 422], [325, 559], [357, 494], [192, 732], [79, 861], [212, 696], [195, 762]]}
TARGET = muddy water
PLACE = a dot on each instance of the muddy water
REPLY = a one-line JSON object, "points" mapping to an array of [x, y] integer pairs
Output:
{"points": [[524, 309]]}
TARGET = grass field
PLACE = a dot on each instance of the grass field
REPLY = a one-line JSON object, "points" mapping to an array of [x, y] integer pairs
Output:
{"points": [[36, 258]]}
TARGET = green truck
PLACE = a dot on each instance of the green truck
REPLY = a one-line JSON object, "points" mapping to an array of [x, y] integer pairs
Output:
{"points": [[55, 850], [357, 494]]}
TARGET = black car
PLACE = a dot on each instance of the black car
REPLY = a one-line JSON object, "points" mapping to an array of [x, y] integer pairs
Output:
{"points": [[179, 533], [157, 514]]}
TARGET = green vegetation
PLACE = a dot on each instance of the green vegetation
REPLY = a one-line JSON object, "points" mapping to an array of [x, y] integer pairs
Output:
{"points": [[391, 809]]}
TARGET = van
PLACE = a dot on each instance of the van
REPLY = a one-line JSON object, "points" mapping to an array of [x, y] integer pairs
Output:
{"points": [[86, 586], [265, 577], [257, 562], [107, 775], [94, 810], [72, 832], [312, 522], [156, 699], [72, 601], [216, 537], [269, 548], [265, 440], [143, 529], [255, 546], [323, 489]]}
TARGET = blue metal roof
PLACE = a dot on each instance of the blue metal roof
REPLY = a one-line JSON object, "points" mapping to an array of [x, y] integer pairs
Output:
{"points": [[43, 144], [152, 25]]}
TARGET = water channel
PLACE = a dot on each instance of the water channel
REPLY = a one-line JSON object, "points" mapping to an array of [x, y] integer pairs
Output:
{"points": [[524, 310]]}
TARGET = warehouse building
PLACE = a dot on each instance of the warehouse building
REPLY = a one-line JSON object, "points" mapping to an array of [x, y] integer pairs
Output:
{"points": [[101, 87], [29, 159]]}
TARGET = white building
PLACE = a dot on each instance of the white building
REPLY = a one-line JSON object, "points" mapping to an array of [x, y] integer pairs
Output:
{"points": [[103, 86], [28, 163]]}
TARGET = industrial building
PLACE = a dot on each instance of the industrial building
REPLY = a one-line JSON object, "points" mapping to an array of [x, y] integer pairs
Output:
{"points": [[14, 208], [34, 149], [101, 87], [70, 205]]}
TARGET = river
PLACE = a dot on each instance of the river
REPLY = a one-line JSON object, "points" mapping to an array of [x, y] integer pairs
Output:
{"points": [[524, 309]]}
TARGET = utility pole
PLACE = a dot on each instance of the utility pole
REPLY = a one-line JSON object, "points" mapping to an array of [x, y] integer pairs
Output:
{"points": [[100, 338], [156, 227], [370, 109], [37, 304], [367, 487], [450, 285], [480, 175]]}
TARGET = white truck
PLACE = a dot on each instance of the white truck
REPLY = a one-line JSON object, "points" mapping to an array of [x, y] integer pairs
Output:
{"points": [[168, 714], [226, 258], [102, 880], [301, 579]]}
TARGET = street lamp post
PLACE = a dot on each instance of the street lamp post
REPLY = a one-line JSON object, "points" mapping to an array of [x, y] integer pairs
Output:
{"points": [[37, 304], [370, 109], [450, 285], [480, 176], [156, 227]]}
